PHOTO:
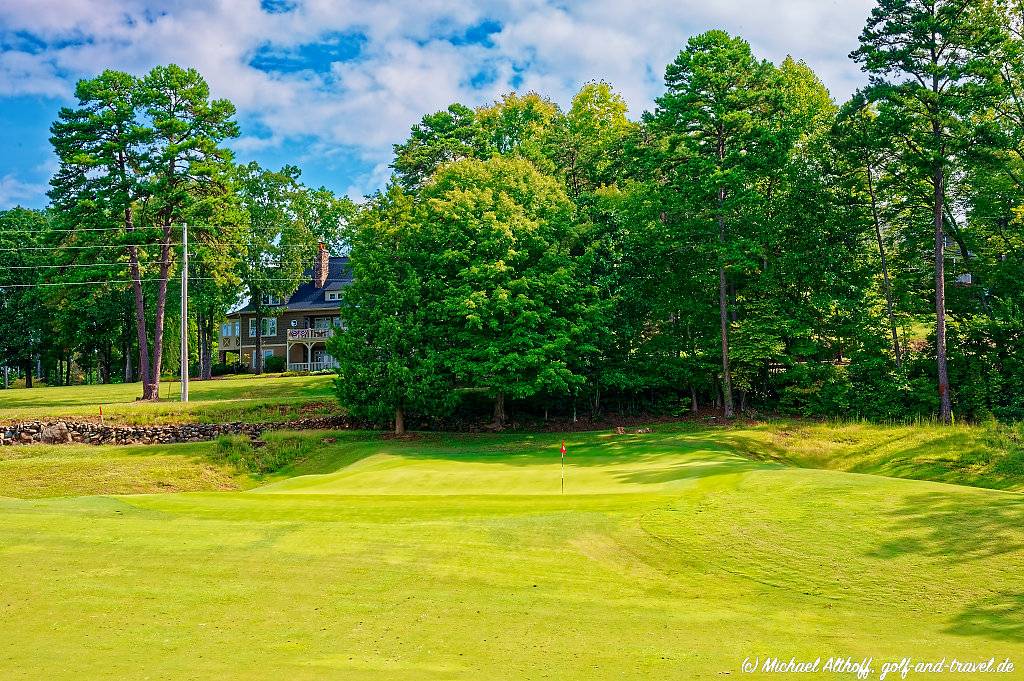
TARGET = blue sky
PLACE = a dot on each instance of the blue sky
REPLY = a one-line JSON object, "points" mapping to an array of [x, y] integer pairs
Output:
{"points": [[330, 85]]}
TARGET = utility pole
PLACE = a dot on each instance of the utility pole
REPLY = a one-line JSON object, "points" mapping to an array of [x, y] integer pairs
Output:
{"points": [[184, 312]]}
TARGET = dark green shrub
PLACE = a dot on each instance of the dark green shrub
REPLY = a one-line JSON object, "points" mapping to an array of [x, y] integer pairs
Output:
{"points": [[220, 369], [274, 364]]}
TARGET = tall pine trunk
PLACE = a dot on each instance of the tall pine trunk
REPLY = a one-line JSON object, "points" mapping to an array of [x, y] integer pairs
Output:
{"points": [[140, 325], [161, 310], [885, 271], [148, 387], [723, 312], [938, 182]]}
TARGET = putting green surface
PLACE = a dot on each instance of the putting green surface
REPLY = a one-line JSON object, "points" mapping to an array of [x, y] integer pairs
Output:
{"points": [[674, 555]]}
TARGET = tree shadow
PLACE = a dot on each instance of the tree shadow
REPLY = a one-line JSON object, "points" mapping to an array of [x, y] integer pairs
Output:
{"points": [[999, 617], [960, 527], [968, 528]]}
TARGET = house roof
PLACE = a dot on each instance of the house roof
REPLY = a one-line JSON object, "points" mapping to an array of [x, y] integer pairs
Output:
{"points": [[308, 296]]}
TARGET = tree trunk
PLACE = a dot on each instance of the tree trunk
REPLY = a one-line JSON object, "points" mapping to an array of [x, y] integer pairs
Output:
{"points": [[399, 421], [128, 377], [885, 271], [67, 371], [723, 313], [499, 411], [126, 346], [211, 330], [693, 400], [106, 362], [28, 373], [206, 347], [161, 310], [148, 388], [945, 402]]}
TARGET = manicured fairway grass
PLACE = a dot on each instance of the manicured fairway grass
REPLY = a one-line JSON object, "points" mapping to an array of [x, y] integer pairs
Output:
{"points": [[243, 398], [673, 555]]}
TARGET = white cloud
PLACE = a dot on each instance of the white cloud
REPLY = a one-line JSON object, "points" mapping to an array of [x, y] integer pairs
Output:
{"points": [[14, 191], [407, 66]]}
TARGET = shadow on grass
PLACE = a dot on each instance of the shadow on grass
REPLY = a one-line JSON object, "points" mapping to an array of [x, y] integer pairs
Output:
{"points": [[956, 527], [999, 617], [966, 528]]}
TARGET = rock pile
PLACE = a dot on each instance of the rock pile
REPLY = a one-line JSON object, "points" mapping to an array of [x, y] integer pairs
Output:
{"points": [[66, 432]]}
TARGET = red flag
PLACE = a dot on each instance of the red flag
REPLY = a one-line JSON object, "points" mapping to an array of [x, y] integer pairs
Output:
{"points": [[563, 448]]}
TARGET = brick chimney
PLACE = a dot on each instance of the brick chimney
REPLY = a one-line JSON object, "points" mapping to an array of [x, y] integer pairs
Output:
{"points": [[320, 266]]}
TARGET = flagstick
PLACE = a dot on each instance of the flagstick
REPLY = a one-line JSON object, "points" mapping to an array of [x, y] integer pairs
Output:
{"points": [[563, 466]]}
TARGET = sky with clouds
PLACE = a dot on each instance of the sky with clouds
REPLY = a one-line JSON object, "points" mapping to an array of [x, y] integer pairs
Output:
{"points": [[330, 85]]}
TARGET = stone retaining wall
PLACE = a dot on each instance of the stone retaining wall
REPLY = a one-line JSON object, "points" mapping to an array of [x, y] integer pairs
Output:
{"points": [[67, 432]]}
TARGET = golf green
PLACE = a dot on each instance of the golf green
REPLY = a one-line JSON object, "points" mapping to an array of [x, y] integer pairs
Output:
{"points": [[670, 556]]}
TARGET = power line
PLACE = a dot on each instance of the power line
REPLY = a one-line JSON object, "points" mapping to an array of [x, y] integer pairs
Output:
{"points": [[299, 247], [80, 229], [77, 248], [94, 264], [118, 281]]}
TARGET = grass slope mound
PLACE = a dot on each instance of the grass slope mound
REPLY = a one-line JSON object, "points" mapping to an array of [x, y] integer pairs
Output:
{"points": [[674, 555]]}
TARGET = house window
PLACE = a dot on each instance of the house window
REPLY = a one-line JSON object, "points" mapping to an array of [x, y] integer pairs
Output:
{"points": [[225, 330], [269, 327], [333, 295], [266, 353], [271, 300], [238, 328], [336, 322], [322, 323]]}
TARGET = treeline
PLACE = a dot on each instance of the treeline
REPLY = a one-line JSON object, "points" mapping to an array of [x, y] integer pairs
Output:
{"points": [[748, 244], [88, 287]]}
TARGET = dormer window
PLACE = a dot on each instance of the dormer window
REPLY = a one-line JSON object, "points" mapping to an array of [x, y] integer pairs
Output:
{"points": [[333, 295], [271, 300]]}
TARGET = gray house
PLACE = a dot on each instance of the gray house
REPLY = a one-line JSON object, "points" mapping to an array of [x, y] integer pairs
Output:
{"points": [[301, 325]]}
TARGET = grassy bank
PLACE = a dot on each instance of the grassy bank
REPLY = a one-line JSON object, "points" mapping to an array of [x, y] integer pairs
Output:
{"points": [[256, 399], [983, 456], [988, 456]]}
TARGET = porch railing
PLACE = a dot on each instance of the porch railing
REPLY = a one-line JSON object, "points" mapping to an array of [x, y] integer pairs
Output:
{"points": [[325, 365], [309, 334]]}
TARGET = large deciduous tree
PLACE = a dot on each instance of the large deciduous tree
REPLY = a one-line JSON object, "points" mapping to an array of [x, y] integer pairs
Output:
{"points": [[506, 280], [384, 353]]}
